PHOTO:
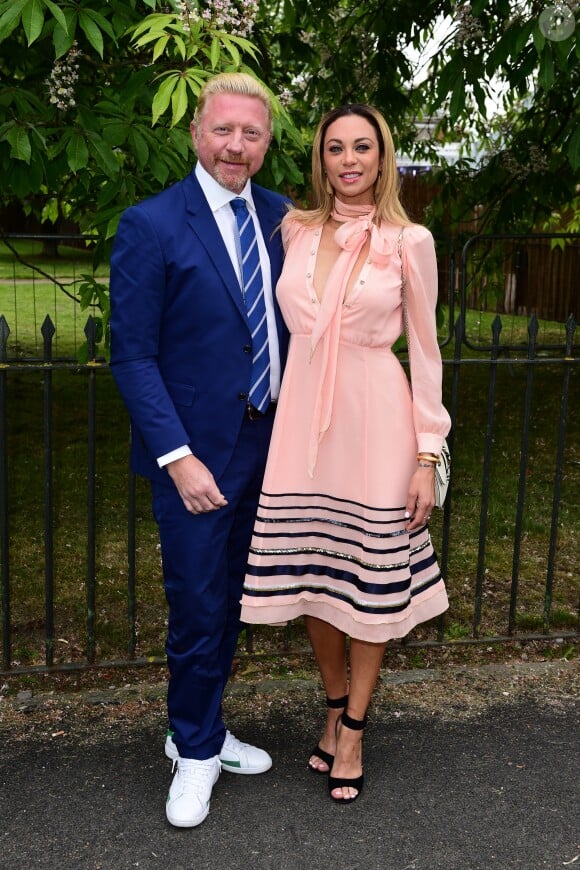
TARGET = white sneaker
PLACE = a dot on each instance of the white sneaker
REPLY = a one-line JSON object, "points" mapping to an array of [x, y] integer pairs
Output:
{"points": [[235, 756], [238, 757], [190, 791]]}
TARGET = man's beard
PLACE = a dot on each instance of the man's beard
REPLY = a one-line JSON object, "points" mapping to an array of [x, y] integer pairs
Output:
{"points": [[236, 185]]}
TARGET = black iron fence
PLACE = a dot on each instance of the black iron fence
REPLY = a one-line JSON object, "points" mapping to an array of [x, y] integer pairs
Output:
{"points": [[79, 561]]}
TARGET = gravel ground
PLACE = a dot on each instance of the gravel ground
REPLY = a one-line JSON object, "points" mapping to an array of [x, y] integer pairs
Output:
{"points": [[468, 766], [449, 691]]}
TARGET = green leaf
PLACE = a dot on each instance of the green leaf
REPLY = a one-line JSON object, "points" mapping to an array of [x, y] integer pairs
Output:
{"points": [[159, 169], [180, 46], [546, 73], [573, 149], [56, 13], [522, 36], [139, 146], [20, 148], [479, 95], [292, 172], [9, 19], [104, 155], [77, 152], [447, 76], [32, 20], [179, 102], [243, 45], [160, 47], [102, 23], [115, 132], [162, 98], [62, 41], [195, 79], [156, 23], [92, 32], [109, 192], [277, 170], [181, 141], [112, 227], [214, 53], [457, 103], [539, 40]]}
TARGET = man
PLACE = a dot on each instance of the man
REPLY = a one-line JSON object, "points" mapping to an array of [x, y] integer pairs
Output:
{"points": [[196, 351]]}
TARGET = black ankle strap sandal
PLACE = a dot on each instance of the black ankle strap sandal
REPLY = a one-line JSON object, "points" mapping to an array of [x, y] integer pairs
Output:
{"points": [[337, 703], [340, 782], [333, 704], [353, 724]]}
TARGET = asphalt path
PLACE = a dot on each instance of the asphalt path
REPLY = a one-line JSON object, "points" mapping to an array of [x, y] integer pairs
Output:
{"points": [[494, 792]]}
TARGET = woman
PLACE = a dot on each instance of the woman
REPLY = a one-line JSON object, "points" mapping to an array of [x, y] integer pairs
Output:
{"points": [[341, 536]]}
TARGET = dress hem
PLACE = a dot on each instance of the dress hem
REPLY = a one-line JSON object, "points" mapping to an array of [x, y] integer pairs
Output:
{"points": [[420, 611]]}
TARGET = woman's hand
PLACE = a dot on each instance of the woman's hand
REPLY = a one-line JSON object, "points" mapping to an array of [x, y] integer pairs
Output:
{"points": [[421, 497]]}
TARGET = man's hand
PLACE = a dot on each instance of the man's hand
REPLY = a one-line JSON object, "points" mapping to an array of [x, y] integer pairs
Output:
{"points": [[196, 485]]}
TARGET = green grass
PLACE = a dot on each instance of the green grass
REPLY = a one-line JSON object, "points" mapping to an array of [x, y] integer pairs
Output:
{"points": [[38, 285], [69, 462]]}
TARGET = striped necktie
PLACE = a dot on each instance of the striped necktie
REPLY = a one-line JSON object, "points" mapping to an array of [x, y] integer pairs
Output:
{"points": [[253, 293]]}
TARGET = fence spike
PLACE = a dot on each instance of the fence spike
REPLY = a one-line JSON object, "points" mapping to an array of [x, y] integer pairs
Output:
{"points": [[496, 328], [47, 330], [4, 333], [570, 330], [91, 333]]}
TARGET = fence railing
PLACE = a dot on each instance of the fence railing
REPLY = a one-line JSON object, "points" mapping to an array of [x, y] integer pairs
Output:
{"points": [[80, 576]]}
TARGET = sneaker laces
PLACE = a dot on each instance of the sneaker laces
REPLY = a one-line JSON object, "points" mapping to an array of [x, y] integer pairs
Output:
{"points": [[193, 773], [233, 743]]}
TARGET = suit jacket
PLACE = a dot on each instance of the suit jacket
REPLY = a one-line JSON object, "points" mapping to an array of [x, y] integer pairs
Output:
{"points": [[180, 340]]}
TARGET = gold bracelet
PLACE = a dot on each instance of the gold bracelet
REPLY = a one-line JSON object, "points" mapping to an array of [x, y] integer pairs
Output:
{"points": [[428, 457], [426, 464]]}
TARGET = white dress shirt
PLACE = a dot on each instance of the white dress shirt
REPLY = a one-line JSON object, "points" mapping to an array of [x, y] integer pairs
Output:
{"points": [[219, 199]]}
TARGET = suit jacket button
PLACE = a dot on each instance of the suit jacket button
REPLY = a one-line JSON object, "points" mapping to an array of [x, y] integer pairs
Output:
{"points": [[243, 397], [247, 348]]}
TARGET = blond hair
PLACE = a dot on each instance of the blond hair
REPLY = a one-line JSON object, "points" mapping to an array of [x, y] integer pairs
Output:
{"points": [[238, 84], [388, 205]]}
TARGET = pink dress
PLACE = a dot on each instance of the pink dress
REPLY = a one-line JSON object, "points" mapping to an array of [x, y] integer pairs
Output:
{"points": [[330, 538]]}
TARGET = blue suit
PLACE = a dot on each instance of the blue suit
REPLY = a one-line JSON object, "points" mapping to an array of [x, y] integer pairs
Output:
{"points": [[181, 357]]}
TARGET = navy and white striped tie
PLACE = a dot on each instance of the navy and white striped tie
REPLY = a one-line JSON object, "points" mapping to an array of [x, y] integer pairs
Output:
{"points": [[253, 291]]}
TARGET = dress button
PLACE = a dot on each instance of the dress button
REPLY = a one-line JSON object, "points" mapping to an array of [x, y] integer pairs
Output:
{"points": [[309, 274], [247, 348], [243, 397]]}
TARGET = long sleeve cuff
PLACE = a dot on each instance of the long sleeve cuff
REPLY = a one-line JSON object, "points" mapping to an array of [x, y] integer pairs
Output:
{"points": [[179, 453]]}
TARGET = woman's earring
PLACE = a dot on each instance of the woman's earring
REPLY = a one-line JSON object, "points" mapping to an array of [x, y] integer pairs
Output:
{"points": [[328, 187]]}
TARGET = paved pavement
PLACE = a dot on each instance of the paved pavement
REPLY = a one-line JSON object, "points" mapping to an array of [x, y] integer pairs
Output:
{"points": [[495, 791]]}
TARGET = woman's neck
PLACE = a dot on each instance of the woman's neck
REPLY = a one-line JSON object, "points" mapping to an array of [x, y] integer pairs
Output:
{"points": [[343, 211]]}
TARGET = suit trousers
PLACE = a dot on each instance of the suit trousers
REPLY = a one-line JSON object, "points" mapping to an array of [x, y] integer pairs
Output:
{"points": [[204, 564]]}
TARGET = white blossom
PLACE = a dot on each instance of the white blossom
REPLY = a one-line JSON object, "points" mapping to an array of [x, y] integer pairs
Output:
{"points": [[62, 80], [468, 27], [221, 14]]}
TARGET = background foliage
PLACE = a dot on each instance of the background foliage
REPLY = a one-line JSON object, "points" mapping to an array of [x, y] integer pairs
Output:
{"points": [[96, 96]]}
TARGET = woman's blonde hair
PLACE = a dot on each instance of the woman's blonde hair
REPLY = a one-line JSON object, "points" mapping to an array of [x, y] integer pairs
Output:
{"points": [[389, 207], [236, 83]]}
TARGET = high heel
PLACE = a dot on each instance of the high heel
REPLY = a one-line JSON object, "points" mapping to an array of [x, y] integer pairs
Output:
{"points": [[333, 704], [340, 782]]}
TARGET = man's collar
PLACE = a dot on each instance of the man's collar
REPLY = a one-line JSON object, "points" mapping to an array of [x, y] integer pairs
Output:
{"points": [[216, 195]]}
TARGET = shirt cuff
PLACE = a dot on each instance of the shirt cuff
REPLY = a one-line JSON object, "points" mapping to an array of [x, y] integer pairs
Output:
{"points": [[164, 460], [429, 443]]}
